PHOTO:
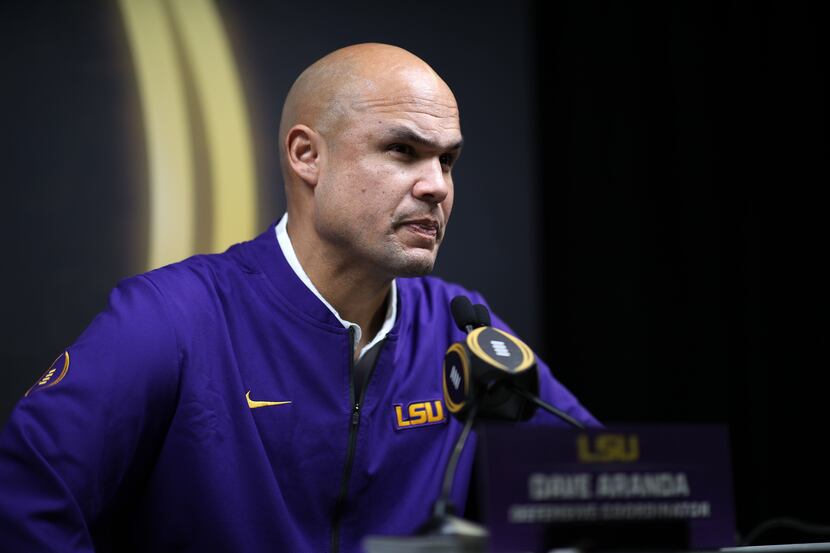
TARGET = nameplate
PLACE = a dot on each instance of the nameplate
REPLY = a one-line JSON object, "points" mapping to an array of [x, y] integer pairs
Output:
{"points": [[637, 486]]}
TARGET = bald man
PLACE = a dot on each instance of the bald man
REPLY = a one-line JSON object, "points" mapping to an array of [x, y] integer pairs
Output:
{"points": [[369, 137], [285, 395]]}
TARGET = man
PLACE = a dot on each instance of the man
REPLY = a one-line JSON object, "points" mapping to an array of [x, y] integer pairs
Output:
{"points": [[258, 399]]}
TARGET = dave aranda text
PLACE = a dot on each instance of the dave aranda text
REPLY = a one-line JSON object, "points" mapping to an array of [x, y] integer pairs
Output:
{"points": [[616, 485]]}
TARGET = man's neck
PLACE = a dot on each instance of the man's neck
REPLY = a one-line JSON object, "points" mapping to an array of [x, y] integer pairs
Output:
{"points": [[356, 294]]}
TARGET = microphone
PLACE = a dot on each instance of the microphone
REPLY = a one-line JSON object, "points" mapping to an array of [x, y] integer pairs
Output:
{"points": [[477, 369], [491, 374], [466, 535], [468, 316], [464, 314], [482, 314], [491, 369]]}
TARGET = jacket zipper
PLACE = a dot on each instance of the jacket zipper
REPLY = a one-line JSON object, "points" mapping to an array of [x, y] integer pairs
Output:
{"points": [[347, 469]]}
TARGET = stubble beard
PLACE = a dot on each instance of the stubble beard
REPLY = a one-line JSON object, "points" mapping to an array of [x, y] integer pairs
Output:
{"points": [[408, 262], [389, 259]]}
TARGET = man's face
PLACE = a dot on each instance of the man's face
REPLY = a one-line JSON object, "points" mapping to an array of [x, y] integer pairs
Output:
{"points": [[385, 191]]}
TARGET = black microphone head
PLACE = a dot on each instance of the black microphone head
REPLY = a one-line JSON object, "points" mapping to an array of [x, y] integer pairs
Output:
{"points": [[463, 312], [482, 315]]}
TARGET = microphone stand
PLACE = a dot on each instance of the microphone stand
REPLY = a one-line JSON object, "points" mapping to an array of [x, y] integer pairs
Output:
{"points": [[444, 531], [444, 521]]}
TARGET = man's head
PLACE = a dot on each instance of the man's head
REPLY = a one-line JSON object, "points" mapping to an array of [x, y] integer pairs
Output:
{"points": [[369, 136]]}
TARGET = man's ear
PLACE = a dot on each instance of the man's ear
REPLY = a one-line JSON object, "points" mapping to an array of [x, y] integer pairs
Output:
{"points": [[304, 147]]}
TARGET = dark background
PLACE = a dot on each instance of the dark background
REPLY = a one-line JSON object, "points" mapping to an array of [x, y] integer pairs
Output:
{"points": [[649, 177], [683, 162]]}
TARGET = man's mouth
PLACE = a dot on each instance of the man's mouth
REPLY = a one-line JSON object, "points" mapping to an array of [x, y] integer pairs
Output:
{"points": [[426, 228]]}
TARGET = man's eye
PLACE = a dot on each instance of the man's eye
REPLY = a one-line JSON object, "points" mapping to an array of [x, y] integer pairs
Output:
{"points": [[447, 160], [402, 149]]}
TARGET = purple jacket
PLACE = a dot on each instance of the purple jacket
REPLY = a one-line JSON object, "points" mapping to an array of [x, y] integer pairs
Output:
{"points": [[149, 429]]}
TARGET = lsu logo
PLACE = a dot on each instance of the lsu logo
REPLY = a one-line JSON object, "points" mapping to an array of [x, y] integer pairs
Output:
{"points": [[419, 413], [607, 448], [54, 374]]}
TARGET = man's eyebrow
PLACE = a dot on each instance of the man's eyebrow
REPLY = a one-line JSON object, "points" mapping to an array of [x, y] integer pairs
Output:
{"points": [[404, 134]]}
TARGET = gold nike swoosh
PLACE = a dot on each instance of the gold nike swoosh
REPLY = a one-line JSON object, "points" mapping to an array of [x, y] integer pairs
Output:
{"points": [[253, 404]]}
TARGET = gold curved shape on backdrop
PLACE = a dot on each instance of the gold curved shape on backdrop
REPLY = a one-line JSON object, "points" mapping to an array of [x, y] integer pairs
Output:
{"points": [[223, 110], [153, 27], [169, 148]]}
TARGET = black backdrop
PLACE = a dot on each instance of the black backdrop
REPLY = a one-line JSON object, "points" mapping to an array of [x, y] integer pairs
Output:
{"points": [[683, 161], [652, 173]]}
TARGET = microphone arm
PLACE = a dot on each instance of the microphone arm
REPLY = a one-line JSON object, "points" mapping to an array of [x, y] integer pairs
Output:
{"points": [[544, 405]]}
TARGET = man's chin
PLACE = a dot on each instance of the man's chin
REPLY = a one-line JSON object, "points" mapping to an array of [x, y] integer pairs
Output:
{"points": [[413, 271], [415, 264]]}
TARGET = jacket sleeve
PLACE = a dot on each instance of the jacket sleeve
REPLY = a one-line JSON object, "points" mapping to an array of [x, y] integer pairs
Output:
{"points": [[550, 389], [89, 428]]}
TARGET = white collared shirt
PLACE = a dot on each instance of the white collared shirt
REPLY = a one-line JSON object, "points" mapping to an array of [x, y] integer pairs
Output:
{"points": [[391, 305]]}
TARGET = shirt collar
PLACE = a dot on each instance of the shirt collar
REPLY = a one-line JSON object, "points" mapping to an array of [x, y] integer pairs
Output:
{"points": [[391, 305]]}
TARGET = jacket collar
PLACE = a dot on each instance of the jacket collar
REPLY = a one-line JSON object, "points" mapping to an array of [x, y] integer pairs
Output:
{"points": [[263, 255]]}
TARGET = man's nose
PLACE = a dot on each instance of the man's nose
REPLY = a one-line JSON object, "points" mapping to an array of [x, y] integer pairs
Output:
{"points": [[433, 183]]}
